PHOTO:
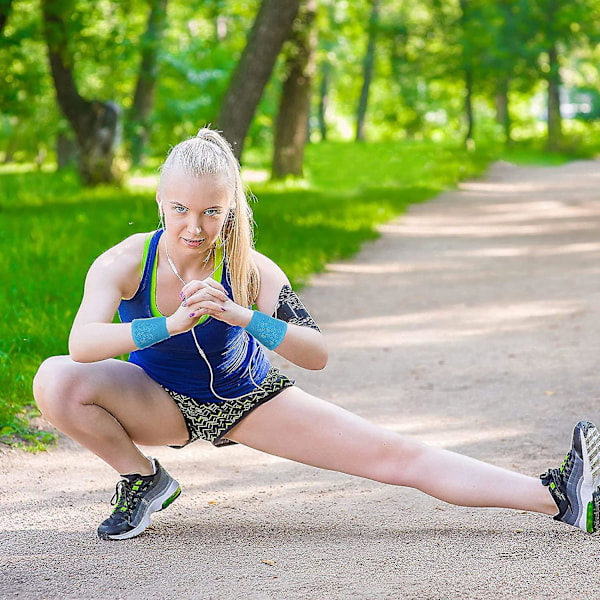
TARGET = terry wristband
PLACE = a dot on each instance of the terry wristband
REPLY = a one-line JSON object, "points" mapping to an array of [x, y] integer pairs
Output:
{"points": [[147, 332], [267, 330]]}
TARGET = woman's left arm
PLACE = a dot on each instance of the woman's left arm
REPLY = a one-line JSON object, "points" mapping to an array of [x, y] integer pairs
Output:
{"points": [[303, 343], [297, 336]]}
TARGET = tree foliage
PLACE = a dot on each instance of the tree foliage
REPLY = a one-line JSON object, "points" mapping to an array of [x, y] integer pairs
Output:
{"points": [[511, 58]]}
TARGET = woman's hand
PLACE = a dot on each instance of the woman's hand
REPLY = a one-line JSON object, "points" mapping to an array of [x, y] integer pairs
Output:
{"points": [[206, 297]]}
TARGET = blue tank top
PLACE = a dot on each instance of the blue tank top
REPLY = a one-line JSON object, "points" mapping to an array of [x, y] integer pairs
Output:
{"points": [[176, 364]]}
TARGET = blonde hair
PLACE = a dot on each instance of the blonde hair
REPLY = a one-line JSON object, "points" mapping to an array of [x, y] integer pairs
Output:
{"points": [[209, 153]]}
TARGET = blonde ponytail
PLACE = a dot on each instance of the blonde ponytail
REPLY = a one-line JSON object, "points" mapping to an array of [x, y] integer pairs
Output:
{"points": [[209, 153]]}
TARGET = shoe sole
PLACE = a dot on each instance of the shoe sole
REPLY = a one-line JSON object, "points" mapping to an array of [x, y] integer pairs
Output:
{"points": [[589, 437], [159, 503]]}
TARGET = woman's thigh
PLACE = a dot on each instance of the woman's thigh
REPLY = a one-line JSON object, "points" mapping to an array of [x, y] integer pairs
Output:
{"points": [[304, 428], [137, 402]]}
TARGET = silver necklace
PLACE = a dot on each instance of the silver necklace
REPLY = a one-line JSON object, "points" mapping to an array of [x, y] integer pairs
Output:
{"points": [[174, 268]]}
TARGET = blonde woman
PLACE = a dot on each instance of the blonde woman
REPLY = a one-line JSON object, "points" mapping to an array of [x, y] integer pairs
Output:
{"points": [[197, 304]]}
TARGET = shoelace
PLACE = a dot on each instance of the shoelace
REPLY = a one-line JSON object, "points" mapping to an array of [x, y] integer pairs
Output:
{"points": [[126, 496], [559, 476]]}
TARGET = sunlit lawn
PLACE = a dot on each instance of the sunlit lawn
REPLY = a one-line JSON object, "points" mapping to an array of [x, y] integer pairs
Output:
{"points": [[51, 230]]}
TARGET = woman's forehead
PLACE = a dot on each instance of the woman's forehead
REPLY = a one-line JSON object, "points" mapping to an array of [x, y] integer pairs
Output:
{"points": [[178, 187]]}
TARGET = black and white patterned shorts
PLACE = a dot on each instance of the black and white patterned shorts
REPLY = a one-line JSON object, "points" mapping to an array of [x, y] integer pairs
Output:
{"points": [[212, 420]]}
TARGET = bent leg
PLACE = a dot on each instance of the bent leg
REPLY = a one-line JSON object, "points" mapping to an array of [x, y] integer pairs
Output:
{"points": [[303, 428], [106, 406]]}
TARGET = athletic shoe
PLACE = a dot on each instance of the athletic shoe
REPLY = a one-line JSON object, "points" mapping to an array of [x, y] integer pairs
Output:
{"points": [[575, 485], [136, 498]]}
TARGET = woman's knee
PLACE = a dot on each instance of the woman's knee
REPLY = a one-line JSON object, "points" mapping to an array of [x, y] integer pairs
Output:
{"points": [[60, 385], [396, 458]]}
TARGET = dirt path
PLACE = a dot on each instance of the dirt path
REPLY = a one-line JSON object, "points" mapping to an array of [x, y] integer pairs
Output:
{"points": [[473, 324]]}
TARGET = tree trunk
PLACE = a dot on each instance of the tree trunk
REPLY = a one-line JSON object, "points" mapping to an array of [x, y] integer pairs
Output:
{"points": [[11, 147], [554, 141], [139, 118], [368, 64], [95, 123], [469, 105], [502, 112], [324, 98], [5, 7], [270, 30], [66, 151], [468, 74], [291, 127]]}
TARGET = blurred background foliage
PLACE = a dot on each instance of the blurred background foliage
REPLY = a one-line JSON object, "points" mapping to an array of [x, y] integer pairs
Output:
{"points": [[422, 52], [403, 100]]}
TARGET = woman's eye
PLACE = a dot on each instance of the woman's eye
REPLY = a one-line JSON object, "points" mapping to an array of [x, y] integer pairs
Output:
{"points": [[211, 212], [180, 209]]}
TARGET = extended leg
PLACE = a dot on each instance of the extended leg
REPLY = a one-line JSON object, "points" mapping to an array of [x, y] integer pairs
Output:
{"points": [[303, 428]]}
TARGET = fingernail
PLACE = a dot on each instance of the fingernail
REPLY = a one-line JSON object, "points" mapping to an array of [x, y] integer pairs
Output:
{"points": [[223, 308], [192, 314], [183, 302]]}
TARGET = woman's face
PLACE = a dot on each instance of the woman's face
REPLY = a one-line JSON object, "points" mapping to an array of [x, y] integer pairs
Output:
{"points": [[194, 210]]}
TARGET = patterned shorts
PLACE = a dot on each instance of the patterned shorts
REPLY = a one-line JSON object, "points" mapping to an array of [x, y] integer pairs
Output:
{"points": [[212, 420]]}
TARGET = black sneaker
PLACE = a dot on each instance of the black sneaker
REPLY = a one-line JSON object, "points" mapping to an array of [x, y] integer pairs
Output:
{"points": [[136, 498], [575, 485]]}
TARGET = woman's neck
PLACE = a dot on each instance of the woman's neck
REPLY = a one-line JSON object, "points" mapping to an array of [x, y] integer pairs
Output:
{"points": [[189, 267]]}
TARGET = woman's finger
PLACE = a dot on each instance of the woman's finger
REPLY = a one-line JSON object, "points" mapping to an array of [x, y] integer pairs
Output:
{"points": [[194, 286], [206, 308]]}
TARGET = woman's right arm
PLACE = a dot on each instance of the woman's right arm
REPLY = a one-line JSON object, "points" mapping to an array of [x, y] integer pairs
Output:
{"points": [[113, 275]]}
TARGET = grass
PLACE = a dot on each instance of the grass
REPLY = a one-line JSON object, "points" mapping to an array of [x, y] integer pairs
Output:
{"points": [[51, 230]]}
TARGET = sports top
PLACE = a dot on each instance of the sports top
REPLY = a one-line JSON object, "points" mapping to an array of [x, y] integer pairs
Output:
{"points": [[175, 362]]}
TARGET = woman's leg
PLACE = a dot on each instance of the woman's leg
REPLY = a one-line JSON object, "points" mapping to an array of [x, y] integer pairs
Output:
{"points": [[106, 406], [303, 428]]}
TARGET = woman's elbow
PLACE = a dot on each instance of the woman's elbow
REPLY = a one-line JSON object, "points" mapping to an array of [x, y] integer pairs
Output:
{"points": [[319, 359], [77, 352]]}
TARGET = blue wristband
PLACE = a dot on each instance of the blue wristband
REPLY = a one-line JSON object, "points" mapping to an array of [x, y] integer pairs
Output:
{"points": [[146, 332], [267, 330]]}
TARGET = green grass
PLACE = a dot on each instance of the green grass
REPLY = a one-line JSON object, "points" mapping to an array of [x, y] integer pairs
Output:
{"points": [[51, 230]]}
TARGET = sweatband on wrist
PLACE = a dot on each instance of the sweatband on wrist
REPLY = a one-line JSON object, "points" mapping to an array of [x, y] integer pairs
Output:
{"points": [[147, 332], [267, 330]]}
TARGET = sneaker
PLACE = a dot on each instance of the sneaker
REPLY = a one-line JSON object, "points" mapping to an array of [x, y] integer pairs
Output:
{"points": [[575, 485], [136, 498]]}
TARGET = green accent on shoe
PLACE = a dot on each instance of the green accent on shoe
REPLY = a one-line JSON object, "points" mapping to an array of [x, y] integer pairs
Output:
{"points": [[173, 497], [590, 517]]}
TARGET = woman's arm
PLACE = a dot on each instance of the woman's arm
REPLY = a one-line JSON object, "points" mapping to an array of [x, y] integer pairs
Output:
{"points": [[113, 275], [302, 344]]}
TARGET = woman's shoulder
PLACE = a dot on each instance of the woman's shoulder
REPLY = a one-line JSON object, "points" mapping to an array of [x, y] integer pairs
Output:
{"points": [[272, 279], [269, 270], [122, 263], [129, 250]]}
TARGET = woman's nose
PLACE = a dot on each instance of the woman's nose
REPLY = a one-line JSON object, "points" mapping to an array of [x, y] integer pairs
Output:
{"points": [[194, 228]]}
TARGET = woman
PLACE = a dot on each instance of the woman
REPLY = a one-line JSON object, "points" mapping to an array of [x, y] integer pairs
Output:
{"points": [[197, 368]]}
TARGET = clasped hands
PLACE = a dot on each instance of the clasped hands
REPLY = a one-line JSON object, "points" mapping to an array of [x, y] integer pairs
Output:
{"points": [[206, 297]]}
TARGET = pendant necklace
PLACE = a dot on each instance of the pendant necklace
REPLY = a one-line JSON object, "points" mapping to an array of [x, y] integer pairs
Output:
{"points": [[174, 268]]}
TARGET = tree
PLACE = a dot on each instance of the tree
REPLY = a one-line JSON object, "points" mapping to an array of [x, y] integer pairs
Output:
{"points": [[139, 115], [291, 127], [270, 30], [5, 7], [562, 25], [368, 64], [94, 122]]}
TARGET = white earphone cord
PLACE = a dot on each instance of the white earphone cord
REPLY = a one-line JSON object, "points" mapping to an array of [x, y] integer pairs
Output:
{"points": [[198, 347]]}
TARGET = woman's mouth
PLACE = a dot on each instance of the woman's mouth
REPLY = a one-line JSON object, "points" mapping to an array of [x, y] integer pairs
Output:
{"points": [[192, 243]]}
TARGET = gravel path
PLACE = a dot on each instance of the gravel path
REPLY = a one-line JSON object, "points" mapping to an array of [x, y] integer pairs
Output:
{"points": [[473, 324]]}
